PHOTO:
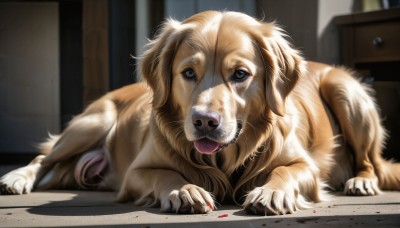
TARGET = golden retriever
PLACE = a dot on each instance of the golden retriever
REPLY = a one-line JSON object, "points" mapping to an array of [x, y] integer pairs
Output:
{"points": [[229, 110]]}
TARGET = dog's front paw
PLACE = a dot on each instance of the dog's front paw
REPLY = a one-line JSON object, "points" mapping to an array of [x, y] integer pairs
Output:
{"points": [[190, 199], [266, 201], [16, 182], [362, 186]]}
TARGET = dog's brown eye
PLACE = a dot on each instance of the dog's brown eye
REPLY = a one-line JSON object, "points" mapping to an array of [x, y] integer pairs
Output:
{"points": [[189, 74], [240, 76]]}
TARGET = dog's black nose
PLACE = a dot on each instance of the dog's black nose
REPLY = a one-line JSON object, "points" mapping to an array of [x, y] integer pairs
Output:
{"points": [[206, 121]]}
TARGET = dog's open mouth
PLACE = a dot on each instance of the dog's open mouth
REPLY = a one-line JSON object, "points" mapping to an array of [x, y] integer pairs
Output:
{"points": [[208, 146]]}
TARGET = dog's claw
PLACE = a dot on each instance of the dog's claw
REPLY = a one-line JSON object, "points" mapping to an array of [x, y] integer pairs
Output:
{"points": [[190, 199]]}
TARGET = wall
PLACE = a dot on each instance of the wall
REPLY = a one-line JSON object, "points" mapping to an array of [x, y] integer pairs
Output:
{"points": [[297, 18], [181, 9], [29, 74], [309, 24], [327, 31]]}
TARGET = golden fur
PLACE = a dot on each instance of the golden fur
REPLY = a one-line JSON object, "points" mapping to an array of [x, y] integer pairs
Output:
{"points": [[286, 129]]}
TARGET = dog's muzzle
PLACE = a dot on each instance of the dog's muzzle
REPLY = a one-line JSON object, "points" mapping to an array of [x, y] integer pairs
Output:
{"points": [[206, 145]]}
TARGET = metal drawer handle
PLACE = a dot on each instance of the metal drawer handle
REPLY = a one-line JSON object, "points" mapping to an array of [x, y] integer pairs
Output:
{"points": [[377, 41]]}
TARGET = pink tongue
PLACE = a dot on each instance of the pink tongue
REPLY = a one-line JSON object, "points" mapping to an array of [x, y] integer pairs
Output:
{"points": [[206, 146]]}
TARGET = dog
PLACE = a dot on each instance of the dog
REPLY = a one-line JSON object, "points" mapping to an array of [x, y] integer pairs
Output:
{"points": [[228, 111]]}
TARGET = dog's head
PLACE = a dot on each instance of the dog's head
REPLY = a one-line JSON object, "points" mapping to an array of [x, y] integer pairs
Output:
{"points": [[220, 72]]}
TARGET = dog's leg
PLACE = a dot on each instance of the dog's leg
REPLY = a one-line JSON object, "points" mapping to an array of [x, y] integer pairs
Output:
{"points": [[83, 172], [361, 127], [287, 189], [150, 187], [21, 181], [85, 132]]}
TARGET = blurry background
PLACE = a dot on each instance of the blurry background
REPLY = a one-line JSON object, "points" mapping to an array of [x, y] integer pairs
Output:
{"points": [[58, 56]]}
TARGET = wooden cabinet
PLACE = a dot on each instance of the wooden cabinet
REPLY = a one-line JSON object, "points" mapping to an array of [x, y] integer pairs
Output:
{"points": [[370, 44], [377, 42]]}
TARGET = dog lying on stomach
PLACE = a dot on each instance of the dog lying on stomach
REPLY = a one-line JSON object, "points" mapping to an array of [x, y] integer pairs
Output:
{"points": [[228, 111]]}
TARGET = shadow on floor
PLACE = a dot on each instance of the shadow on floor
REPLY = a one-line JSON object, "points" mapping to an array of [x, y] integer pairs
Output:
{"points": [[83, 204]]}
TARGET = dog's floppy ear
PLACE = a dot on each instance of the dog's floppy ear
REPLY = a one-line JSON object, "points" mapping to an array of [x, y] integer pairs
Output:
{"points": [[283, 65], [156, 62]]}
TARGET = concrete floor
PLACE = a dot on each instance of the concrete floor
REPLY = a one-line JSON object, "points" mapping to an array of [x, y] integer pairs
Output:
{"points": [[93, 209]]}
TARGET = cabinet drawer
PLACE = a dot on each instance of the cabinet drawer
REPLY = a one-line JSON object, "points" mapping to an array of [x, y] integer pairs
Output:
{"points": [[377, 42]]}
